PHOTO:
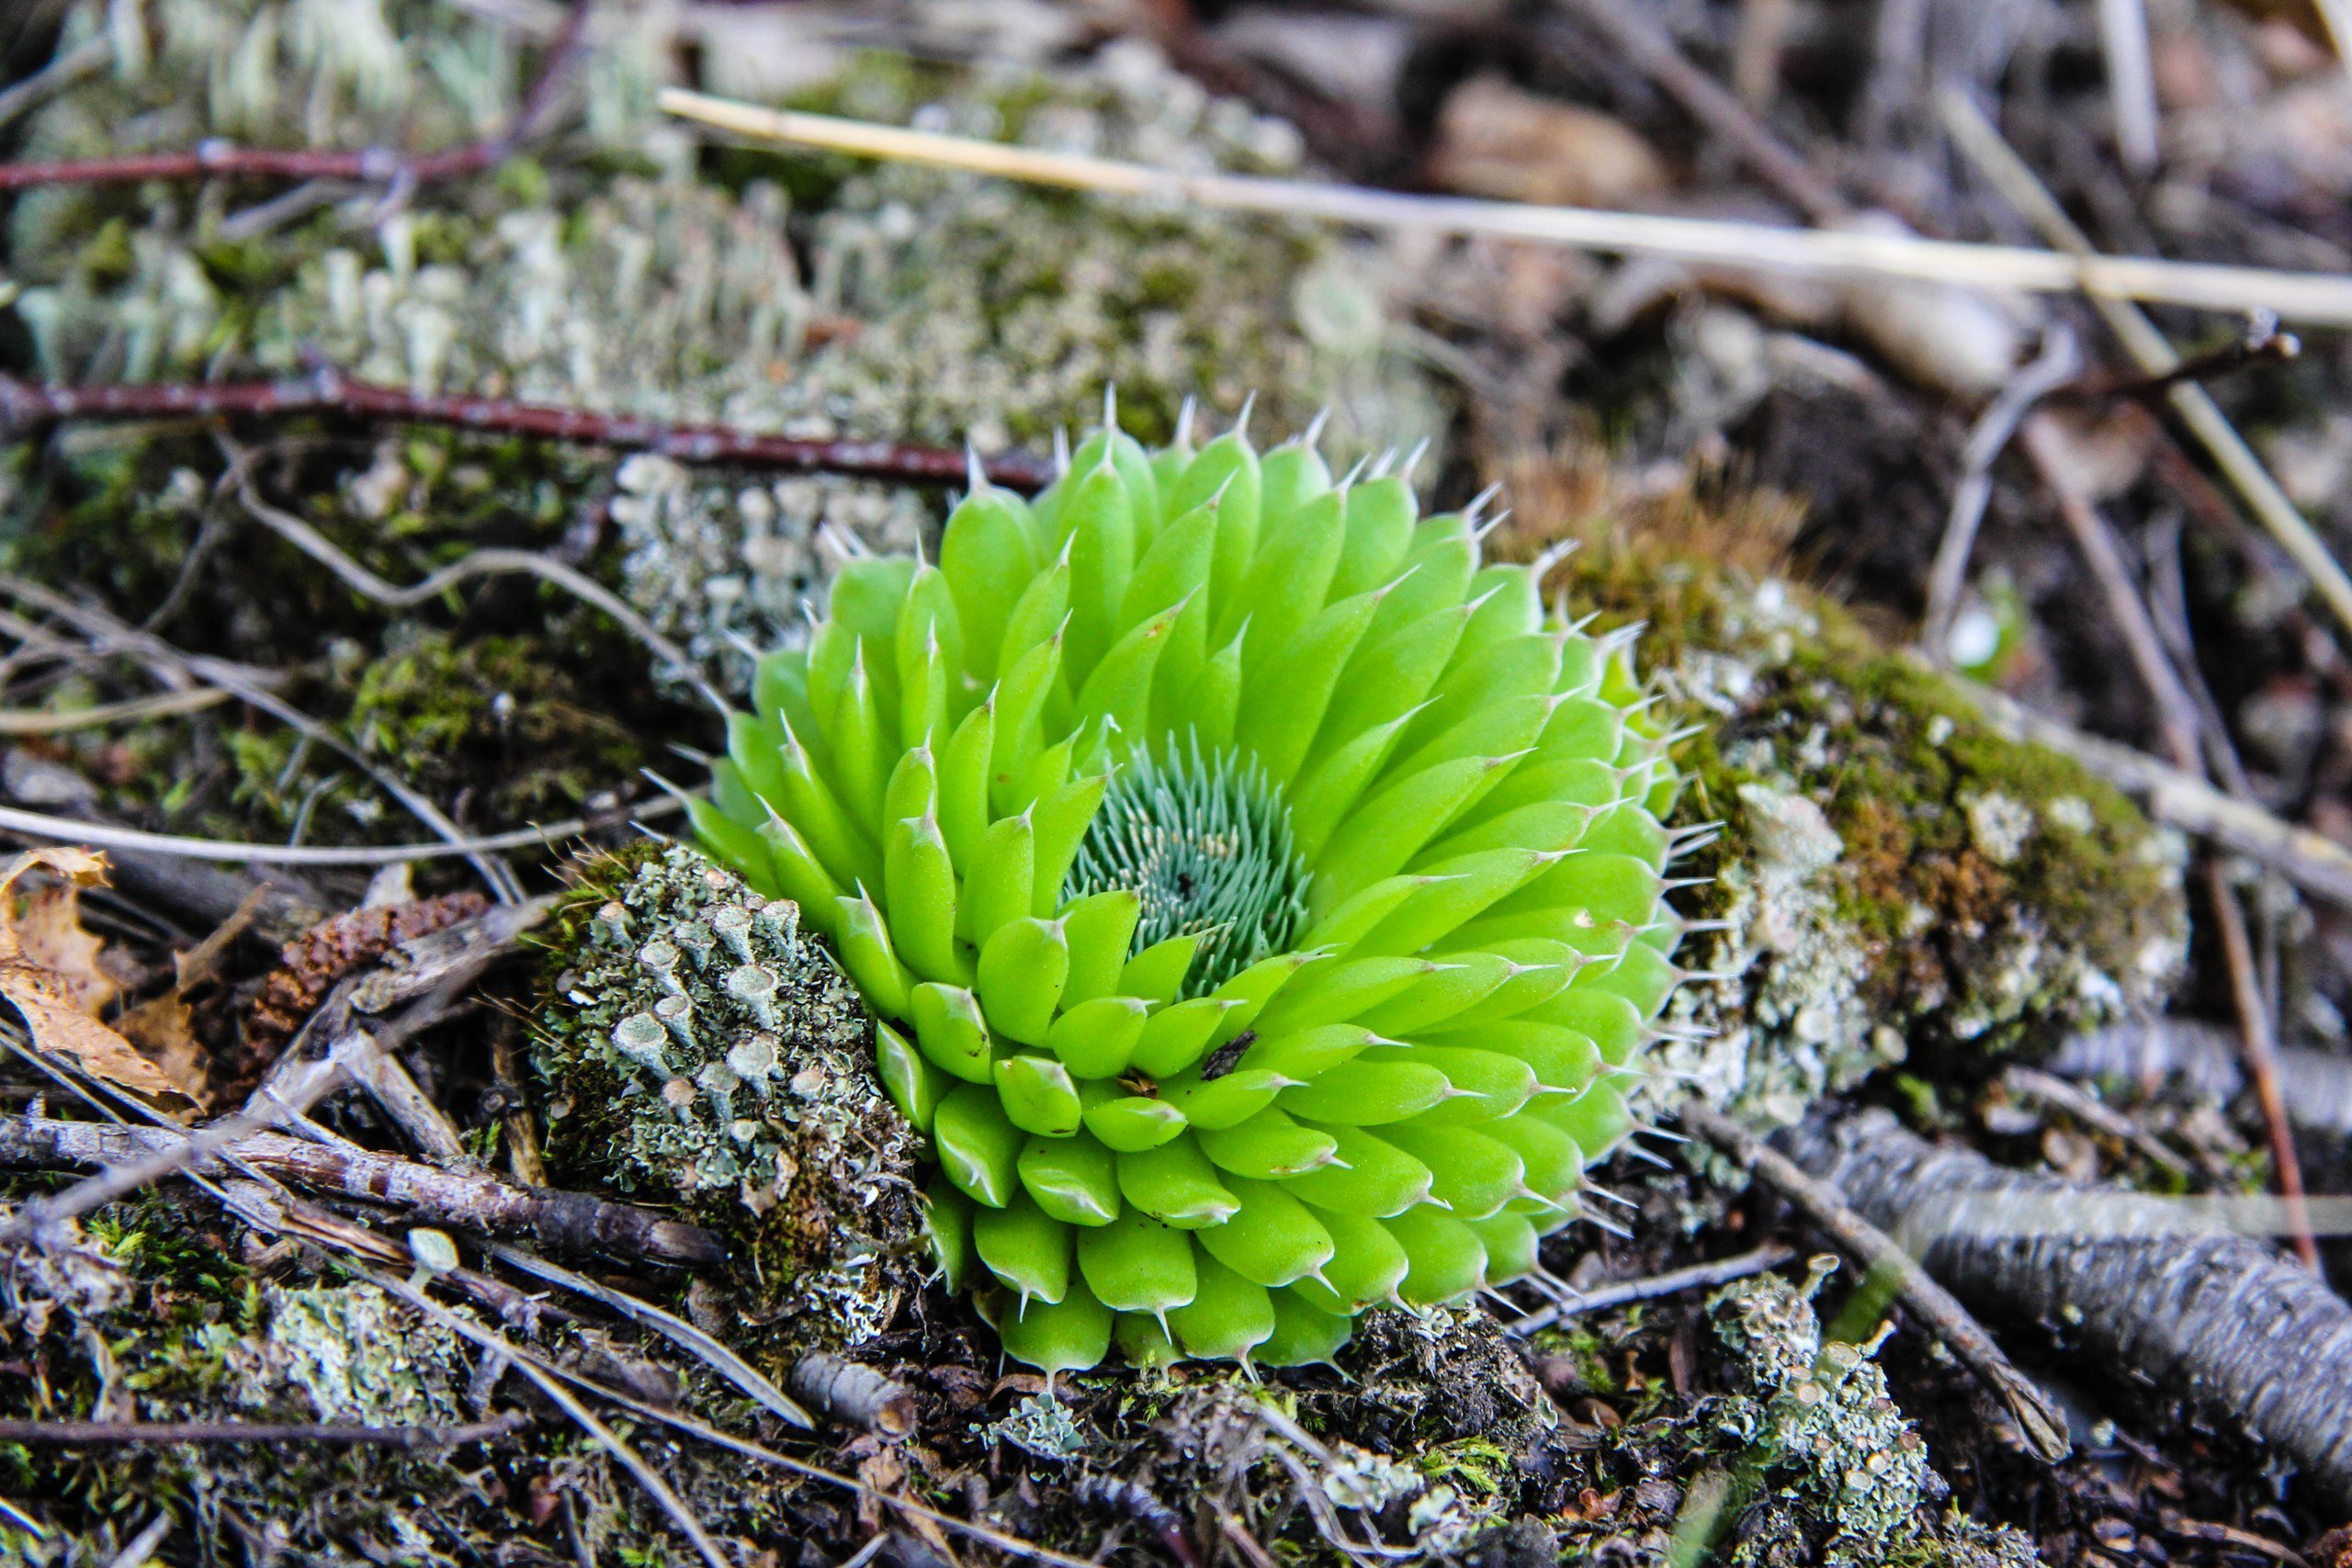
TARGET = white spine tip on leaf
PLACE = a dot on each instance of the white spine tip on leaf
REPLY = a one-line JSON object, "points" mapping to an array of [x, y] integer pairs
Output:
{"points": [[1413, 459], [1314, 434], [1241, 420]]}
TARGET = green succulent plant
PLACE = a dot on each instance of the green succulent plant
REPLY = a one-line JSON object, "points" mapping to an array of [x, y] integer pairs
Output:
{"points": [[1259, 898]]}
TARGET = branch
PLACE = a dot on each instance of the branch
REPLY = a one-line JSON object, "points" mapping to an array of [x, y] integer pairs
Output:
{"points": [[1696, 1277], [856, 1395], [25, 406], [2206, 1322], [120, 1434], [373, 165], [572, 1223]]}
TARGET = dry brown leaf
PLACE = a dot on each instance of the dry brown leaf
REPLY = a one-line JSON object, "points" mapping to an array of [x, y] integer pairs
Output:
{"points": [[163, 1031], [50, 936], [56, 1006], [1498, 140]]}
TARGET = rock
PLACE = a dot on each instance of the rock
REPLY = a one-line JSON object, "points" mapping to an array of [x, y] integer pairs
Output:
{"points": [[694, 1046], [1898, 881], [1496, 140]]}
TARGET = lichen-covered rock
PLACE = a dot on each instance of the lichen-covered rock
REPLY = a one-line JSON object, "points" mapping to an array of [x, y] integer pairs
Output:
{"points": [[1819, 1428], [1828, 1469], [696, 1048], [1895, 880]]}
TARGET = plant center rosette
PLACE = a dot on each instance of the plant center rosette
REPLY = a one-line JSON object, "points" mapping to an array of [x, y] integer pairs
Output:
{"points": [[1259, 896]]}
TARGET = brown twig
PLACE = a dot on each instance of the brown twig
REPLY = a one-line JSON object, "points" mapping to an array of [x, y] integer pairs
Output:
{"points": [[856, 1395], [124, 1434], [1715, 106], [2044, 1427], [2264, 344], [570, 1223], [216, 158], [1696, 1277], [2182, 728], [26, 405]]}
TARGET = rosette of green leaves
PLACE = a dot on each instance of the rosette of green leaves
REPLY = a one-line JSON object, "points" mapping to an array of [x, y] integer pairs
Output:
{"points": [[1258, 894]]}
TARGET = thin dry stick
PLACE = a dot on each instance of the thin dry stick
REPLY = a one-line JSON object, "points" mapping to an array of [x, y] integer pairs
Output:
{"points": [[142, 1550], [2031, 1083], [1707, 101], [2131, 82], [2296, 296], [126, 1434], [573, 1222], [25, 406], [2178, 721], [148, 1155], [106, 836], [714, 1354], [162, 704], [491, 1339], [1696, 1277], [2182, 728], [160, 655], [2058, 360], [2039, 1420], [478, 563], [1992, 157], [631, 1461]]}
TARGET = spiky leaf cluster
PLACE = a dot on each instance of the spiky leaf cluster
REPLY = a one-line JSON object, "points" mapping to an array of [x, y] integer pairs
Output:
{"points": [[1397, 1102]]}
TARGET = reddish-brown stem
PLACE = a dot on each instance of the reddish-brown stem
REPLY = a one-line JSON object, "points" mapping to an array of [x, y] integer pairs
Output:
{"points": [[372, 165], [119, 1433], [26, 405]]}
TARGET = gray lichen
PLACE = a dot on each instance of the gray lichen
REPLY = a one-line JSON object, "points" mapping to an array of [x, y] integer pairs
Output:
{"points": [[1821, 1433], [931, 307], [695, 1047]]}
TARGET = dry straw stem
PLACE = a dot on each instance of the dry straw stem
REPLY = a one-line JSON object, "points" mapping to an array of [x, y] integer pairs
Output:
{"points": [[1977, 138], [2315, 297], [104, 835]]}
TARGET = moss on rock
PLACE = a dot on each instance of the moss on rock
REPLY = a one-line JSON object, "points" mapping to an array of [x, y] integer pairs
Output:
{"points": [[1898, 879]]}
